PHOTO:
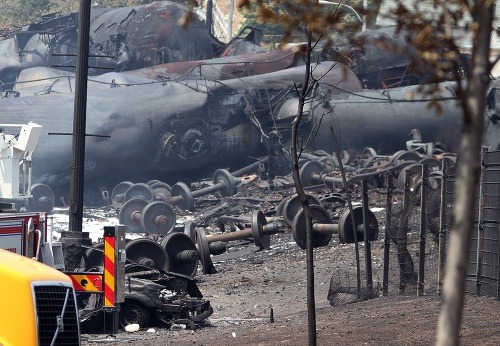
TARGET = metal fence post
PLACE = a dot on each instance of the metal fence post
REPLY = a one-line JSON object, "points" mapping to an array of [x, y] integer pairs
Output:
{"points": [[368, 252], [387, 241], [421, 262], [480, 226]]}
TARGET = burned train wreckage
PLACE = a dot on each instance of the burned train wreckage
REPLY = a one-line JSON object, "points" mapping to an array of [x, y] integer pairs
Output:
{"points": [[174, 104], [162, 128], [163, 113], [121, 39]]}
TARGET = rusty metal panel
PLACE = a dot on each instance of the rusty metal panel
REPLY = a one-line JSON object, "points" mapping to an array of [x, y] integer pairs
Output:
{"points": [[221, 68]]}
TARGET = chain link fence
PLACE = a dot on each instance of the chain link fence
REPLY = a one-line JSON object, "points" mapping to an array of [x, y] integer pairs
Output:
{"points": [[413, 209]]}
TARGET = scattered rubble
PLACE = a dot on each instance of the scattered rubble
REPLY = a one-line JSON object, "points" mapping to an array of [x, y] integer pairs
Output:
{"points": [[256, 224]]}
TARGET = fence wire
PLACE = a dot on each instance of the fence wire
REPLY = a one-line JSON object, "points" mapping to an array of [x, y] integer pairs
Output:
{"points": [[409, 256]]}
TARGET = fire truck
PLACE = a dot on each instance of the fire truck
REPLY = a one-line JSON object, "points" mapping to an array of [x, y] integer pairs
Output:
{"points": [[39, 305]]}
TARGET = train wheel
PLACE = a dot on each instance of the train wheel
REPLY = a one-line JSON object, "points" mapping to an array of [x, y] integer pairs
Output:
{"points": [[42, 199]]}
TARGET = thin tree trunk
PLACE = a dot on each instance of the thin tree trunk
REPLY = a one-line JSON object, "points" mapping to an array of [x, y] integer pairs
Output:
{"points": [[311, 304], [468, 169]]}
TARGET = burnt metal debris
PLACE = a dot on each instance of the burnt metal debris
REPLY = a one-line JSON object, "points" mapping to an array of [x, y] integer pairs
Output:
{"points": [[159, 109], [223, 227], [159, 285], [285, 214], [121, 39], [150, 294], [181, 104]]}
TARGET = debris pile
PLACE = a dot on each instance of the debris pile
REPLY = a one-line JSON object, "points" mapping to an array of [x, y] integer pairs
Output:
{"points": [[180, 226]]}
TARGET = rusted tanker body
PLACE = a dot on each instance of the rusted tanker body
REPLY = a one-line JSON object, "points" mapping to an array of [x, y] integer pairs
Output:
{"points": [[385, 118], [223, 68]]}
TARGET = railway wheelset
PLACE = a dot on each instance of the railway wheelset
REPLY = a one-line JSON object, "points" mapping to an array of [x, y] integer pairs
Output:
{"points": [[178, 195], [179, 250], [260, 228], [149, 208]]}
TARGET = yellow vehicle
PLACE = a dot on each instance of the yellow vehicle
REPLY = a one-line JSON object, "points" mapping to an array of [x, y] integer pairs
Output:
{"points": [[37, 302]]}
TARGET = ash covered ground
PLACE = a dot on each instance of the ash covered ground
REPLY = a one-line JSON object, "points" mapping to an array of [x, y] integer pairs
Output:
{"points": [[259, 296]]}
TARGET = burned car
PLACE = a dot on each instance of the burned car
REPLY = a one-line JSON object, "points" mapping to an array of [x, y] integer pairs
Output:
{"points": [[151, 296]]}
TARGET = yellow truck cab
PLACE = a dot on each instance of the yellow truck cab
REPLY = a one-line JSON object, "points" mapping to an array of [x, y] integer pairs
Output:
{"points": [[37, 303]]}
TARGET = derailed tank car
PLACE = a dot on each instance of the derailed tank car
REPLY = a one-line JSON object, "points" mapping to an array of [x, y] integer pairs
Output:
{"points": [[164, 130], [155, 129]]}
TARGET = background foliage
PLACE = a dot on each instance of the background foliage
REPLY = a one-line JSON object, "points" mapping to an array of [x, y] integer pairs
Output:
{"points": [[16, 13]]}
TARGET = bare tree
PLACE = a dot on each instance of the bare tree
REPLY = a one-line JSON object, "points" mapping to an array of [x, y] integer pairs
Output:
{"points": [[433, 38], [308, 22], [311, 311], [473, 104]]}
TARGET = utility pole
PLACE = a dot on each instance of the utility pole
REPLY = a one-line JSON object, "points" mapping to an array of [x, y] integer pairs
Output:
{"points": [[73, 239], [80, 119]]}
